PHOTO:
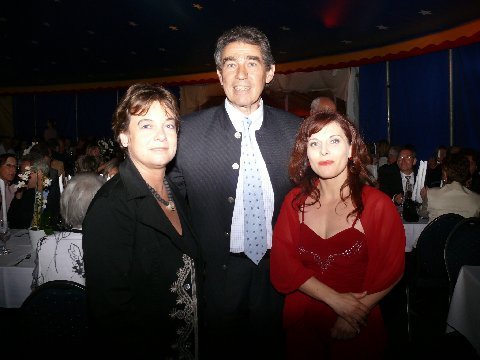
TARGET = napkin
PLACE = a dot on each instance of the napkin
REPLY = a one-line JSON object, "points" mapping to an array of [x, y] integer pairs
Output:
{"points": [[419, 182], [4, 202], [60, 183]]}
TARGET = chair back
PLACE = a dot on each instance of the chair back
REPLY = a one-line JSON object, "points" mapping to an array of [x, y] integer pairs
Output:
{"points": [[462, 248], [430, 264], [56, 310]]}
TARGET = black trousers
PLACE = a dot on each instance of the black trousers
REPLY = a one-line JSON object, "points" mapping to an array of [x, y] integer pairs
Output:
{"points": [[246, 321]]}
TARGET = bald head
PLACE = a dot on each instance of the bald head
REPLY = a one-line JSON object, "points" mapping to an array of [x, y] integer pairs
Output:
{"points": [[322, 103]]}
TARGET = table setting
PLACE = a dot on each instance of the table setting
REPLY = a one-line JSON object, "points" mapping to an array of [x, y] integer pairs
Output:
{"points": [[16, 267]]}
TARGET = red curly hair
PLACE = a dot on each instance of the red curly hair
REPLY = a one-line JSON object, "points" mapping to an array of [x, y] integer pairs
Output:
{"points": [[302, 174]]}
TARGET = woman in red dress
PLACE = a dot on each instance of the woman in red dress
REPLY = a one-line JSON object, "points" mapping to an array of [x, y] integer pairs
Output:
{"points": [[338, 246]]}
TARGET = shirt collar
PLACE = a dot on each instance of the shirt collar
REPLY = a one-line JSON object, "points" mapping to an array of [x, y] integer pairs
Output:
{"points": [[237, 117], [405, 175]]}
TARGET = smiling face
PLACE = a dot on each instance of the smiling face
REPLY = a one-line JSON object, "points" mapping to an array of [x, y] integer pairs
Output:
{"points": [[328, 151], [151, 139], [243, 75], [406, 161], [9, 169]]}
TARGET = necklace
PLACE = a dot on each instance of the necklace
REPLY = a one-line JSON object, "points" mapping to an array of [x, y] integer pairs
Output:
{"points": [[170, 205]]}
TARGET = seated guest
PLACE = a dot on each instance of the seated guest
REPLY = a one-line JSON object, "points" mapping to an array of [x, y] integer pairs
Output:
{"points": [[8, 170], [33, 169], [110, 168], [86, 163], [57, 167], [60, 255], [473, 183], [392, 155], [382, 151], [453, 197], [394, 180], [322, 103], [433, 176]]}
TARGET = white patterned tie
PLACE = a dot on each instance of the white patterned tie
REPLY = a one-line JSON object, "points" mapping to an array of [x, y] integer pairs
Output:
{"points": [[255, 232]]}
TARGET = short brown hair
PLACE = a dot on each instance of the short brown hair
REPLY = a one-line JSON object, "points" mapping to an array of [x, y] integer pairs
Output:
{"points": [[137, 101], [457, 168]]}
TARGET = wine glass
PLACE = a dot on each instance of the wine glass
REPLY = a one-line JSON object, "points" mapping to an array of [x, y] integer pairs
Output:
{"points": [[4, 236]]}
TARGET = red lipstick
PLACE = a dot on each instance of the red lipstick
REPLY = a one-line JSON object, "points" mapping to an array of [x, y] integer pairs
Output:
{"points": [[325, 163]]}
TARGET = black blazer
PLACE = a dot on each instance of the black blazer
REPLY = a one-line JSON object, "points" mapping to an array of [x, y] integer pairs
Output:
{"points": [[204, 171], [140, 274], [390, 179]]}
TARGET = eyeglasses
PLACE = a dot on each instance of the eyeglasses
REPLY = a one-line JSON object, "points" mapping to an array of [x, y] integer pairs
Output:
{"points": [[408, 157]]}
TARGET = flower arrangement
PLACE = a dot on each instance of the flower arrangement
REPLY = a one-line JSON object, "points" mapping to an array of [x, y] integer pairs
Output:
{"points": [[107, 148], [40, 219], [27, 150]]}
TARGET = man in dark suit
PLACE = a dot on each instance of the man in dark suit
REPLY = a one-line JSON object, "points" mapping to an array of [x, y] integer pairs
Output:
{"points": [[394, 178], [242, 309]]}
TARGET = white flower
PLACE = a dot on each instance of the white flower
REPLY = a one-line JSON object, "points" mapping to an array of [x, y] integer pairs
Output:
{"points": [[107, 148], [27, 150], [24, 176], [47, 182]]}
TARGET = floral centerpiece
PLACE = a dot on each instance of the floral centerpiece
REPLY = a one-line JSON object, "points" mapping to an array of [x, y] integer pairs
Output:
{"points": [[40, 220], [107, 149]]}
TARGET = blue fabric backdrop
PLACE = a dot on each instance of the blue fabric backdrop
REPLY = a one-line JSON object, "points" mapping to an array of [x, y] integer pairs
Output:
{"points": [[373, 102], [419, 104], [466, 61], [419, 100]]}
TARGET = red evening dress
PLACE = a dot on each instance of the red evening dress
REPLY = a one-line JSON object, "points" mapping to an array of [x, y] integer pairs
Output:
{"points": [[347, 262]]}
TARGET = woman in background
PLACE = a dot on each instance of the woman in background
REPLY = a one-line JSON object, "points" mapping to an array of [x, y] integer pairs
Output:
{"points": [[454, 196], [60, 255], [338, 246]]}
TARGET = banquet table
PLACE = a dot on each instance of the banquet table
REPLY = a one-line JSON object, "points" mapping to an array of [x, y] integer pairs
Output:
{"points": [[15, 279], [412, 232], [464, 312]]}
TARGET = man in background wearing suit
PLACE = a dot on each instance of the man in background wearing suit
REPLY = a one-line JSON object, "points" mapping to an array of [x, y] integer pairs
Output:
{"points": [[393, 178], [242, 309]]}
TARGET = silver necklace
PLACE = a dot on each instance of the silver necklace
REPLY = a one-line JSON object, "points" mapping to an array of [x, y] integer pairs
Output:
{"points": [[170, 205]]}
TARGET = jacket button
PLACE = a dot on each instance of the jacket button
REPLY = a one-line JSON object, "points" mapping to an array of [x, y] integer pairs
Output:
{"points": [[226, 234], [186, 286], [224, 267], [231, 199], [235, 166]]}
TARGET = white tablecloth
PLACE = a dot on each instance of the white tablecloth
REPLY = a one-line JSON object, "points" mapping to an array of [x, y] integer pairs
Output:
{"points": [[15, 280], [464, 313], [412, 232]]}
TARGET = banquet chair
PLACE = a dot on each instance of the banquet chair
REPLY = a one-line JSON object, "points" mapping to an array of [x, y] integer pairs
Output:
{"points": [[56, 310], [428, 286], [462, 248]]}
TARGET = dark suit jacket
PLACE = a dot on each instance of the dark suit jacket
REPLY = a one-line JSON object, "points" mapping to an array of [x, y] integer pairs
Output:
{"points": [[207, 150], [390, 180], [139, 271]]}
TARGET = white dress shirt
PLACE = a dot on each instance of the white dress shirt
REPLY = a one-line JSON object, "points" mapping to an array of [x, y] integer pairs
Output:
{"points": [[236, 231]]}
